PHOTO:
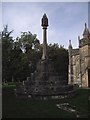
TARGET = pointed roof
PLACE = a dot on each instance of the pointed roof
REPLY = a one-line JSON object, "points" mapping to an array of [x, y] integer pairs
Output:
{"points": [[70, 45], [86, 31]]}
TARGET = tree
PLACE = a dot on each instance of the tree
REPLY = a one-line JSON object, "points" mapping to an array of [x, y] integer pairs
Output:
{"points": [[59, 56], [30, 47], [7, 45], [20, 56], [28, 41]]}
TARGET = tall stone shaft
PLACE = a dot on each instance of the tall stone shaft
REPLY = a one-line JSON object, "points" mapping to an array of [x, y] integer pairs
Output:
{"points": [[44, 24]]}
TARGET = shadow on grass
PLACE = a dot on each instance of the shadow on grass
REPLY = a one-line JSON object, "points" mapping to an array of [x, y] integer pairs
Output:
{"points": [[13, 107]]}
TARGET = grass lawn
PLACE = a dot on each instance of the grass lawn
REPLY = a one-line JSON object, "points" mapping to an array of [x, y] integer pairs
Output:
{"points": [[13, 107]]}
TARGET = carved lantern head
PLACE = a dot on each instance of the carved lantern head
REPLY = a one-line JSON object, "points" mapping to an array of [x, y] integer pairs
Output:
{"points": [[44, 23]]}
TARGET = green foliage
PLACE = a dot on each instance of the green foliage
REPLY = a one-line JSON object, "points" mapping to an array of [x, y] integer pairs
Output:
{"points": [[59, 56], [21, 55], [9, 86], [29, 41], [7, 45]]}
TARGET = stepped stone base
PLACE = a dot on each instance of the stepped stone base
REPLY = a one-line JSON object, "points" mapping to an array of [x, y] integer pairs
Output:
{"points": [[44, 82]]}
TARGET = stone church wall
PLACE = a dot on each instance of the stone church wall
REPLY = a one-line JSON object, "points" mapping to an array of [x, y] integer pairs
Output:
{"points": [[85, 79]]}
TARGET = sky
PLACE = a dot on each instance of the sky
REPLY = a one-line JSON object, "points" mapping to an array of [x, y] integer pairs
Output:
{"points": [[66, 20]]}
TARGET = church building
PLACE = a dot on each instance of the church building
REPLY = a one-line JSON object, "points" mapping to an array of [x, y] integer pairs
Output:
{"points": [[79, 61]]}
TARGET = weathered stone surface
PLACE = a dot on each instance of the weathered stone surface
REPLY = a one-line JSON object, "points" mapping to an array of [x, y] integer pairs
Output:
{"points": [[79, 61], [45, 81]]}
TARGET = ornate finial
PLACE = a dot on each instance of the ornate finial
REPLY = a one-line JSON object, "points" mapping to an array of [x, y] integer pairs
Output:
{"points": [[44, 21], [70, 46], [78, 37], [86, 31], [85, 25], [45, 15], [69, 42]]}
